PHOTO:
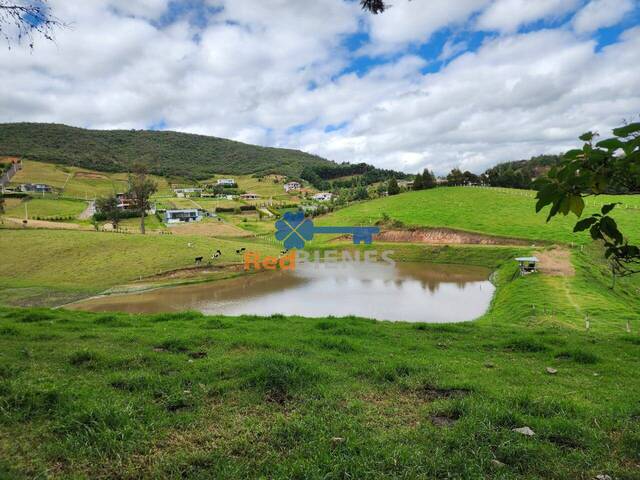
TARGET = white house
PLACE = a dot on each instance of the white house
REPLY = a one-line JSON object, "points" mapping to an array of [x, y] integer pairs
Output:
{"points": [[229, 182], [179, 216], [188, 192], [323, 196], [291, 186]]}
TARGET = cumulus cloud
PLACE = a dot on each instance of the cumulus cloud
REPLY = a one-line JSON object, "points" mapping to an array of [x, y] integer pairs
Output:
{"points": [[600, 14], [509, 15], [278, 72]]}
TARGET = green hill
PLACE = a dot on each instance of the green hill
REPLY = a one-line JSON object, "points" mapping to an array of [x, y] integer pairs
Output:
{"points": [[503, 212], [167, 153]]}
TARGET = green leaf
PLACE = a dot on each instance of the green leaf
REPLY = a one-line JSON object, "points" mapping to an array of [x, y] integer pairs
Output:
{"points": [[587, 137], [582, 225], [576, 204], [573, 154], [627, 130], [611, 144], [609, 227], [607, 208]]}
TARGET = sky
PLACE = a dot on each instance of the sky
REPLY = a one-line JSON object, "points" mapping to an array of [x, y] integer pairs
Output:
{"points": [[431, 84]]}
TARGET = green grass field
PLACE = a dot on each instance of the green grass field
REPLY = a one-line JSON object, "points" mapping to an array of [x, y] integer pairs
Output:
{"points": [[46, 208], [501, 212], [77, 182], [192, 396]]}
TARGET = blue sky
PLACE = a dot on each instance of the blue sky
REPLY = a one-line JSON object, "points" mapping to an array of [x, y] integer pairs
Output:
{"points": [[429, 83]]}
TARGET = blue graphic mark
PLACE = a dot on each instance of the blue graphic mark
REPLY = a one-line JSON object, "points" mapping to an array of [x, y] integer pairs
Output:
{"points": [[294, 230]]}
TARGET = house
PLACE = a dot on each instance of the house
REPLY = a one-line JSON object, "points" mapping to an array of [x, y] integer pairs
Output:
{"points": [[187, 192], [125, 202], [528, 264], [226, 182], [180, 216], [323, 196], [35, 188], [291, 186], [249, 196]]}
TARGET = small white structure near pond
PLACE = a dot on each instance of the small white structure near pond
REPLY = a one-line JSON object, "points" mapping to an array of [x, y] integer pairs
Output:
{"points": [[182, 216], [528, 264], [323, 196]]}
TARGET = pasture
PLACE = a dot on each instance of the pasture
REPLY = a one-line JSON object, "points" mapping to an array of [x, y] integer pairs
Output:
{"points": [[502, 212]]}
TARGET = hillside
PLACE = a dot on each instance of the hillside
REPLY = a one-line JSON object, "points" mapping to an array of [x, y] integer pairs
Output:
{"points": [[167, 153], [504, 212]]}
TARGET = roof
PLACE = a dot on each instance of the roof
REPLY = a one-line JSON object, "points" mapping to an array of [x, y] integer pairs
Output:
{"points": [[527, 259], [184, 210]]}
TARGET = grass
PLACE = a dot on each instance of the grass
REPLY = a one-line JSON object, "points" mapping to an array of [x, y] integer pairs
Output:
{"points": [[78, 182], [501, 212], [191, 396], [85, 263], [46, 208]]}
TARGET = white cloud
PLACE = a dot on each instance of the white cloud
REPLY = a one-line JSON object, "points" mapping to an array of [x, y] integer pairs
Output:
{"points": [[600, 14], [258, 69], [509, 15], [415, 21]]}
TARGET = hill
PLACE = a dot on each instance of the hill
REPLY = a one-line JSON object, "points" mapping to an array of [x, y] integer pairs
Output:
{"points": [[168, 153], [493, 211]]}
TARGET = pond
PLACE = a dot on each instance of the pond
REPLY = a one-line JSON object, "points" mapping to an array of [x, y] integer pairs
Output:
{"points": [[410, 292]]}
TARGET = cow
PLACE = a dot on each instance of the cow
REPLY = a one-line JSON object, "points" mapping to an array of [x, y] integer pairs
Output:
{"points": [[199, 260]]}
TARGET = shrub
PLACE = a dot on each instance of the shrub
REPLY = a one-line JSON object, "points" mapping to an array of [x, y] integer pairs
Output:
{"points": [[578, 356]]}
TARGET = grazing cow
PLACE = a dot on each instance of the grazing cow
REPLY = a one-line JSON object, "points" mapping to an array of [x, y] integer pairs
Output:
{"points": [[284, 252], [199, 260], [241, 250], [217, 254]]}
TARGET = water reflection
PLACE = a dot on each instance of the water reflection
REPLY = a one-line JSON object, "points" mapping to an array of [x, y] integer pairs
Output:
{"points": [[412, 292]]}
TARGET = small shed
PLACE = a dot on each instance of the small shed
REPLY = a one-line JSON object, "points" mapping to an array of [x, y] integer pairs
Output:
{"points": [[528, 264]]}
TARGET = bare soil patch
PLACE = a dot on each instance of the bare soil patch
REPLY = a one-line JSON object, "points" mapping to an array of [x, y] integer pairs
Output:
{"points": [[17, 223], [556, 262], [91, 176], [445, 236]]}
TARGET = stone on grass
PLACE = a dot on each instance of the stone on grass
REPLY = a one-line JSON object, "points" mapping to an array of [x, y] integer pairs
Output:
{"points": [[602, 476], [552, 371], [524, 431], [497, 463]]}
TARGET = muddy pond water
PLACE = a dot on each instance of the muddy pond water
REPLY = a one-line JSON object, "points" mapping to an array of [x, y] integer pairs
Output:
{"points": [[409, 292]]}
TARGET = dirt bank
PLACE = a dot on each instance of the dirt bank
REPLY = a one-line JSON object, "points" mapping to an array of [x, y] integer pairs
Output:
{"points": [[445, 236]]}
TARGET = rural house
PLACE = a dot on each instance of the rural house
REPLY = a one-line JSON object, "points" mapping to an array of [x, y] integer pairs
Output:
{"points": [[323, 196], [249, 196], [125, 202], [35, 188], [226, 182], [180, 216], [187, 192], [291, 186]]}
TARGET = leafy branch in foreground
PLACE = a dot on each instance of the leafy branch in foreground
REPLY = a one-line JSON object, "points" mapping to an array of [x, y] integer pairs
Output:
{"points": [[591, 171], [27, 19]]}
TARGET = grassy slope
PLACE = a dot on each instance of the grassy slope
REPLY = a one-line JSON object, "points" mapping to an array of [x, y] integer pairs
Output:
{"points": [[503, 212], [76, 182], [84, 263], [169, 153], [46, 208], [123, 396], [188, 396]]}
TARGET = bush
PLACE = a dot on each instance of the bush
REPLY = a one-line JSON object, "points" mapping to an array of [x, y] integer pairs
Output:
{"points": [[578, 356]]}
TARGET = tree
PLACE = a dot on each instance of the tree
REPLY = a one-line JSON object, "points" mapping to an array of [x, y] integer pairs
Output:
{"points": [[360, 193], [374, 6], [456, 177], [20, 20], [392, 187], [1, 204], [428, 179], [590, 171], [418, 183], [108, 208], [141, 187]]}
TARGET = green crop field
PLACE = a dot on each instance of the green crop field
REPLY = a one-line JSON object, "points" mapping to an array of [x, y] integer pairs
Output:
{"points": [[503, 212], [46, 208]]}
